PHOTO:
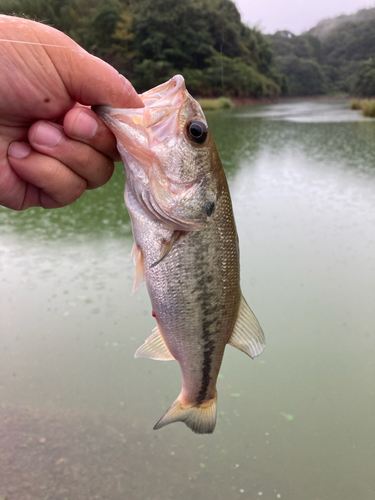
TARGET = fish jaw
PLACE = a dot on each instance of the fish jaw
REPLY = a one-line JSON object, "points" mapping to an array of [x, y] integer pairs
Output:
{"points": [[170, 177]]}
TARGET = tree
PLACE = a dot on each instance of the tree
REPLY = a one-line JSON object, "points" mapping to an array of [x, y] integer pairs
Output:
{"points": [[172, 31], [235, 77], [305, 76], [151, 40], [365, 84]]}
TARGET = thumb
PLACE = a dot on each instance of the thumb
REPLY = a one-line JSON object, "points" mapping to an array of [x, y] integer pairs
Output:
{"points": [[87, 79], [90, 81]]}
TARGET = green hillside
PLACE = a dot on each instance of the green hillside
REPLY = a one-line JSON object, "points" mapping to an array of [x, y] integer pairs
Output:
{"points": [[325, 27], [151, 40], [336, 56], [205, 40]]}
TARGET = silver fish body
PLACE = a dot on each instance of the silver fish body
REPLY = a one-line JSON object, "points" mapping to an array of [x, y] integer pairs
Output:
{"points": [[186, 245]]}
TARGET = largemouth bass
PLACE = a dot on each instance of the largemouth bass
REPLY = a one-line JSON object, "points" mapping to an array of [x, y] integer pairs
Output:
{"points": [[185, 244]]}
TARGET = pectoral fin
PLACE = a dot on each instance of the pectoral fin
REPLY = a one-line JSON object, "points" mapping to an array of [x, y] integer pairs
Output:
{"points": [[154, 348], [167, 246], [139, 273], [247, 335]]}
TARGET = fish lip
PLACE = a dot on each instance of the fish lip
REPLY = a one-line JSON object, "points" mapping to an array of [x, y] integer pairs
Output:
{"points": [[101, 110], [165, 90], [151, 97]]}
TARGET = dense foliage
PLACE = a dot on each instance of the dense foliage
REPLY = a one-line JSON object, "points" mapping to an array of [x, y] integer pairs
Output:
{"points": [[365, 84], [335, 56], [300, 59], [151, 40]]}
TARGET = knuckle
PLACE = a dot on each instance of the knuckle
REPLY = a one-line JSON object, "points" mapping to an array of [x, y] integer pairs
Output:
{"points": [[100, 172], [76, 190], [63, 185]]}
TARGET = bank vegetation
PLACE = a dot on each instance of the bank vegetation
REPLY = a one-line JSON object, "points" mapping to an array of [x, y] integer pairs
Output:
{"points": [[206, 41]]}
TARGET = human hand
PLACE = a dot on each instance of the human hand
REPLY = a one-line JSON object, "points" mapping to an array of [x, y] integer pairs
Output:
{"points": [[51, 148]]}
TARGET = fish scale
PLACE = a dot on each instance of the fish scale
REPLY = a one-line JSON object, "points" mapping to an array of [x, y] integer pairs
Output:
{"points": [[186, 245]]}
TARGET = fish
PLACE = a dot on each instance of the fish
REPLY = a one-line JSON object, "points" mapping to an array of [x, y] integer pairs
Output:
{"points": [[185, 245]]}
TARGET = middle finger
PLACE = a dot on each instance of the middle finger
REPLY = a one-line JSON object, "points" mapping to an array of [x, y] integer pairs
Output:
{"points": [[50, 139]]}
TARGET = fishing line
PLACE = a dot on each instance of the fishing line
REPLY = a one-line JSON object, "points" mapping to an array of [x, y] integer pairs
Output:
{"points": [[221, 49], [36, 43]]}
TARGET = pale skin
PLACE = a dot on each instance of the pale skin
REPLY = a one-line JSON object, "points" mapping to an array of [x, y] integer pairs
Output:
{"points": [[52, 145]]}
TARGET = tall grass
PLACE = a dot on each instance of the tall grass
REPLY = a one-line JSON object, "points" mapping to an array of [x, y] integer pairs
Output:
{"points": [[356, 104], [213, 104], [366, 105]]}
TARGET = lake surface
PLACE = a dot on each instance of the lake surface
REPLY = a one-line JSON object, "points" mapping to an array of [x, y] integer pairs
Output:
{"points": [[297, 423]]}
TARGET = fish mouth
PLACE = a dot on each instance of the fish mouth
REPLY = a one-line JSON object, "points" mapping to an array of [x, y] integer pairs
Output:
{"points": [[166, 91], [144, 138], [162, 100], [140, 129], [160, 116]]}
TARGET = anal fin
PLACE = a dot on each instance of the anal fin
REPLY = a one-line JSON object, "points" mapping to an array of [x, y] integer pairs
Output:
{"points": [[154, 348], [139, 273], [247, 335]]}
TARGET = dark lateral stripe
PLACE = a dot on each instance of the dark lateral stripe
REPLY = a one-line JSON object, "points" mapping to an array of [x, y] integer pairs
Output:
{"points": [[209, 319], [209, 348]]}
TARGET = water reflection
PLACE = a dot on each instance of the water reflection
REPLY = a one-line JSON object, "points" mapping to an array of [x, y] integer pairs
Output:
{"points": [[77, 409], [307, 111], [100, 213], [235, 140]]}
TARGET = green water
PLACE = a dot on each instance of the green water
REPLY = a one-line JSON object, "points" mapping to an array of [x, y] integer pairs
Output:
{"points": [[297, 423]]}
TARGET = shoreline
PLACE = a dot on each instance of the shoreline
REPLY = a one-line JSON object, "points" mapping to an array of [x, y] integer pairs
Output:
{"points": [[248, 101], [252, 101]]}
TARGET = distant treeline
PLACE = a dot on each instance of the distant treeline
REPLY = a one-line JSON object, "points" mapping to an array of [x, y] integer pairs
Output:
{"points": [[336, 56], [151, 40]]}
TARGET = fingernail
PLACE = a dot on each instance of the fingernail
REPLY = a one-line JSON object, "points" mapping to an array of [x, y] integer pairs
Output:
{"points": [[84, 127], [47, 135], [19, 150]]}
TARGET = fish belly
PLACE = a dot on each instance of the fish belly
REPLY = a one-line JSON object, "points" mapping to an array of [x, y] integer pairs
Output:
{"points": [[194, 292]]}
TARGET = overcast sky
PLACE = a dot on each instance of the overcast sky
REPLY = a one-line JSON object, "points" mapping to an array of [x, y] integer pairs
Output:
{"points": [[294, 15]]}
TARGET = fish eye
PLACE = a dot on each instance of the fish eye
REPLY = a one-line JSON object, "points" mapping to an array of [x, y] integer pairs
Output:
{"points": [[197, 131]]}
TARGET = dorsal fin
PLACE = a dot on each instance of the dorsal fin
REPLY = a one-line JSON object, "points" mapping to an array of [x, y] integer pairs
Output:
{"points": [[247, 335], [154, 347]]}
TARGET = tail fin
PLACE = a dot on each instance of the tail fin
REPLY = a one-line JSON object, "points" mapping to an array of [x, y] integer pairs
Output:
{"points": [[199, 418]]}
